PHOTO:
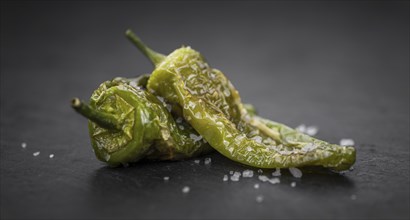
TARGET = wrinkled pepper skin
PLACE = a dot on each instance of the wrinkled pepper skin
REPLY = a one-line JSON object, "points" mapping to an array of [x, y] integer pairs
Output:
{"points": [[145, 128], [209, 102]]}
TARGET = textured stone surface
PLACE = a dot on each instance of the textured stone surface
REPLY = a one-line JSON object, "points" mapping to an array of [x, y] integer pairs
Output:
{"points": [[342, 66]]}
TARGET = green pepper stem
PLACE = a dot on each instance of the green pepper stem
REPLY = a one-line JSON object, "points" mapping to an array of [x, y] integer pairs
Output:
{"points": [[153, 56], [102, 119]]}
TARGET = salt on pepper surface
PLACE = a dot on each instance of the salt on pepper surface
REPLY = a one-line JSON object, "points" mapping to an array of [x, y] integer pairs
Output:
{"points": [[36, 153], [24, 145], [51, 156]]}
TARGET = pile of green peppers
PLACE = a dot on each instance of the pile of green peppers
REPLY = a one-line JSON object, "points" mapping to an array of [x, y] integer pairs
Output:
{"points": [[185, 108]]}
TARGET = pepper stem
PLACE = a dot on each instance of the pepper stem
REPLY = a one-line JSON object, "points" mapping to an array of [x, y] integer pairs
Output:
{"points": [[153, 56], [102, 119]]}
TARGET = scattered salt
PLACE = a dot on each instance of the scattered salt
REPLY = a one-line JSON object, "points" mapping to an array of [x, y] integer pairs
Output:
{"points": [[24, 145], [293, 184], [259, 199], [257, 139], [276, 172], [301, 128], [311, 130], [179, 120], [195, 137], [263, 178], [197, 161], [256, 186], [225, 178], [51, 156], [235, 177], [346, 142], [207, 161], [247, 173], [295, 172], [166, 178], [186, 189], [36, 153], [274, 180]]}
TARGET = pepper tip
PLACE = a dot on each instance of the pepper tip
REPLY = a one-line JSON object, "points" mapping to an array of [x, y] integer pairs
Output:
{"points": [[75, 102]]}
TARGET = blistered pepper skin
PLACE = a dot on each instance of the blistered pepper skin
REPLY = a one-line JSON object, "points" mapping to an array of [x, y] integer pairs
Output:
{"points": [[211, 104], [146, 128]]}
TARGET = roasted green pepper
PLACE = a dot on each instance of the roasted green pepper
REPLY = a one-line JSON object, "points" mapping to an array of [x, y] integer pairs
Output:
{"points": [[209, 102], [127, 123]]}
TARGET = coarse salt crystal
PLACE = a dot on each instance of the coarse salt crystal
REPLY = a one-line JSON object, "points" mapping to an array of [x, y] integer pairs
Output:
{"points": [[207, 161], [274, 180], [247, 173], [346, 142], [295, 172], [225, 178], [276, 172], [51, 155], [166, 178], [256, 186], [186, 189], [301, 128], [235, 178], [259, 199], [311, 130], [197, 161], [36, 153], [293, 184], [24, 145], [263, 178]]}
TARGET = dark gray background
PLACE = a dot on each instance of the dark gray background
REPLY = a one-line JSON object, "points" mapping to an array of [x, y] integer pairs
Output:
{"points": [[340, 65]]}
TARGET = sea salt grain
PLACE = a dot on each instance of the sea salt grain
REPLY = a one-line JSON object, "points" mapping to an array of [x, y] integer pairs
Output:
{"points": [[197, 161], [51, 156], [207, 161], [301, 128], [166, 178], [256, 186], [311, 130], [293, 184], [235, 177], [186, 189], [247, 173], [24, 145], [36, 153], [346, 142], [277, 172], [295, 172], [225, 178], [259, 199]]}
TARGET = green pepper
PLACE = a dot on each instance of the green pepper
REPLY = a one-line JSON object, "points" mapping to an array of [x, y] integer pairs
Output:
{"points": [[127, 123], [209, 102]]}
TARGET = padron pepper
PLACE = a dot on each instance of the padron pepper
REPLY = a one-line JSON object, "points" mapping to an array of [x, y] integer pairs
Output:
{"points": [[208, 101], [127, 124]]}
